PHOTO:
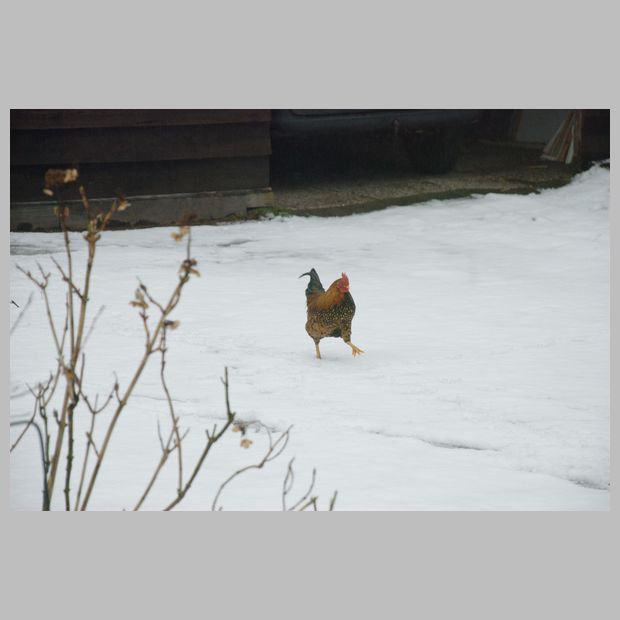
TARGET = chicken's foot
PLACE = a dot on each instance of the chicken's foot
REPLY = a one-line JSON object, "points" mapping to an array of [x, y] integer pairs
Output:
{"points": [[355, 350], [318, 352]]}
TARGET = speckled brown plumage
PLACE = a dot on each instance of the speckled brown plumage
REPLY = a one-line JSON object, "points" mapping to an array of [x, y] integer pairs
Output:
{"points": [[330, 312]]}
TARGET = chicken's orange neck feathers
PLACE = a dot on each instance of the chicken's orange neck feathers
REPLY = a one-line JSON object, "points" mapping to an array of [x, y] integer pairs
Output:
{"points": [[331, 297]]}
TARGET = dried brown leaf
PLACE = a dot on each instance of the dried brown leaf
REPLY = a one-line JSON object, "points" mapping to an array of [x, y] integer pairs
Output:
{"points": [[123, 204], [182, 232], [139, 301], [55, 178]]}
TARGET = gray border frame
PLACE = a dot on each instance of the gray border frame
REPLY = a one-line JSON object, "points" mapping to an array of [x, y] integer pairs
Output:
{"points": [[345, 565]]}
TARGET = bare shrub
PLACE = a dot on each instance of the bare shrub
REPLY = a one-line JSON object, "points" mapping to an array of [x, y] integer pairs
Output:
{"points": [[56, 424]]}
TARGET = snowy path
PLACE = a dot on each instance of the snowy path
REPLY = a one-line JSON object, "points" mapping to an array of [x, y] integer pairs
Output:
{"points": [[485, 382]]}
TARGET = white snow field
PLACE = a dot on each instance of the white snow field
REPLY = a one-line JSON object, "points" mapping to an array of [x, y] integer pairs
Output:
{"points": [[484, 384]]}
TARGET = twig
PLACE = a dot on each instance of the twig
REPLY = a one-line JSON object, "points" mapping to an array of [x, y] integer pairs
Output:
{"points": [[148, 296], [66, 278], [174, 433], [332, 502], [86, 202], [166, 451], [116, 388], [77, 380], [92, 443], [212, 438], [46, 498], [288, 482], [172, 303], [92, 325], [76, 342], [27, 423], [175, 426], [161, 439], [69, 466], [307, 494], [189, 243], [93, 407], [147, 333], [21, 314], [42, 404], [42, 286], [310, 502], [271, 454], [76, 339], [89, 442]]}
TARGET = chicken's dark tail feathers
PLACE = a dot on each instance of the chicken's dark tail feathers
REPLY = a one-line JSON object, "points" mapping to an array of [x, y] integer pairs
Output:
{"points": [[314, 286]]}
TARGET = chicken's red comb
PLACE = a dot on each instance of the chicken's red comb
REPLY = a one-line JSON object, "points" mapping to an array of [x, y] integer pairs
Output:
{"points": [[345, 278]]}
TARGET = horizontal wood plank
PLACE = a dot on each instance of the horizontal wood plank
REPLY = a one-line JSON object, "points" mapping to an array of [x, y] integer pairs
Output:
{"points": [[76, 119], [147, 178], [166, 210], [129, 144]]}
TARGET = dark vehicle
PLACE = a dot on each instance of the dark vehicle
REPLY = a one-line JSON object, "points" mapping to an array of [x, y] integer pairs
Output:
{"points": [[431, 138]]}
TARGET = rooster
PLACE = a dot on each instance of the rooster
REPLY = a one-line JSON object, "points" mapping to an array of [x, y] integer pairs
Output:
{"points": [[330, 311]]}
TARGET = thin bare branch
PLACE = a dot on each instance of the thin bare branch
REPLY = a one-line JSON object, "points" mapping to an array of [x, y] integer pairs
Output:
{"points": [[273, 451], [145, 322], [307, 493], [76, 344], [311, 502], [85, 202], [332, 502], [117, 388], [69, 466], [212, 439], [172, 303], [46, 501], [92, 407], [166, 451], [66, 278], [92, 443], [161, 439], [92, 325], [27, 426], [89, 443], [288, 482], [77, 300], [229, 413], [40, 285], [174, 419], [21, 314], [169, 447], [148, 296]]}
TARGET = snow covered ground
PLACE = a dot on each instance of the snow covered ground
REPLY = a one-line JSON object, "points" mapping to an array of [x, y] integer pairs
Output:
{"points": [[485, 379]]}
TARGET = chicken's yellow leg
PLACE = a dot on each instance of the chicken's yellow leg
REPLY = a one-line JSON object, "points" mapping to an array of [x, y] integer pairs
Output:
{"points": [[354, 349], [318, 353]]}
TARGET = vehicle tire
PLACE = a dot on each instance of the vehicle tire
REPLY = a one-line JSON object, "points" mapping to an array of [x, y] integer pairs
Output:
{"points": [[433, 152]]}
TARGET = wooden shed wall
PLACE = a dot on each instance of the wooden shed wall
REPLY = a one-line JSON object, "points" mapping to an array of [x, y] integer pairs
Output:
{"points": [[141, 152]]}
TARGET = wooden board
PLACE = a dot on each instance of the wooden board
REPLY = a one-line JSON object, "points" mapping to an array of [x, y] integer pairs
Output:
{"points": [[166, 210], [55, 147], [75, 119], [146, 178], [140, 152]]}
